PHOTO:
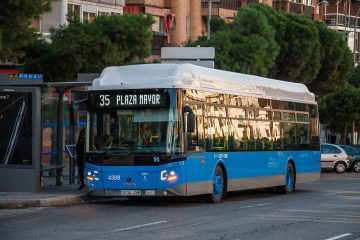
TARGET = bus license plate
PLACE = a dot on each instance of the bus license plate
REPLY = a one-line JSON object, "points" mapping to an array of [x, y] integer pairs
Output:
{"points": [[131, 192]]}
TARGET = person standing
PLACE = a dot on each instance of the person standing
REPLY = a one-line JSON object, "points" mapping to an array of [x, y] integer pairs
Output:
{"points": [[80, 148]]}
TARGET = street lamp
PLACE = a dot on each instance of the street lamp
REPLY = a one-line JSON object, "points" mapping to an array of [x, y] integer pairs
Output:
{"points": [[209, 19]]}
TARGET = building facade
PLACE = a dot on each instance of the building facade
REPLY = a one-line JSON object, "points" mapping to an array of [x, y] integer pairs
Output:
{"points": [[344, 17], [84, 9], [178, 21]]}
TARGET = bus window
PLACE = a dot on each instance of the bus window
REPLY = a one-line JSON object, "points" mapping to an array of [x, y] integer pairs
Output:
{"points": [[215, 111], [264, 103], [302, 107], [251, 133], [237, 135], [289, 130], [195, 140], [262, 114], [276, 115], [288, 116], [276, 134], [237, 113], [302, 117], [263, 133], [303, 131]]}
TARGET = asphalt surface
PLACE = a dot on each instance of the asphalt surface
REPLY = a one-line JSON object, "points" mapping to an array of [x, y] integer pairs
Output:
{"points": [[328, 209]]}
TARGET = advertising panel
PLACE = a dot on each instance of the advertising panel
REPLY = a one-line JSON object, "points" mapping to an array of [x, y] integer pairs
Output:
{"points": [[15, 128]]}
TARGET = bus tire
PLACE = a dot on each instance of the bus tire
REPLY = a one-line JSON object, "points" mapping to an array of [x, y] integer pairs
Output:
{"points": [[289, 186], [218, 185]]}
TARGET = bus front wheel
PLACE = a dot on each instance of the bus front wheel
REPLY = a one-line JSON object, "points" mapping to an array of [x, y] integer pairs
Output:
{"points": [[218, 185], [289, 186]]}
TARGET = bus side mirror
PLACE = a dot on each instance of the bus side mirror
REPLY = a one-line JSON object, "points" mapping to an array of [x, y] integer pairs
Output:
{"points": [[74, 112], [190, 119]]}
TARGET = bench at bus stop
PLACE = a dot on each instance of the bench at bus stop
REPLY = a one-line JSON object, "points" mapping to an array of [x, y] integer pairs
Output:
{"points": [[70, 150]]}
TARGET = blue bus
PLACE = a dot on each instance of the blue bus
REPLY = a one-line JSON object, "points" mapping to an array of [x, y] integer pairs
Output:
{"points": [[184, 130]]}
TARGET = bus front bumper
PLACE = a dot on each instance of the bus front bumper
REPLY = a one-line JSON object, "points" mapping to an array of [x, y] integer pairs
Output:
{"points": [[175, 191]]}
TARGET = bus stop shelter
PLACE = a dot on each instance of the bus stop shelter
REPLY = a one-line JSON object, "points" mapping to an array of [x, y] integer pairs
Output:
{"points": [[20, 124]]}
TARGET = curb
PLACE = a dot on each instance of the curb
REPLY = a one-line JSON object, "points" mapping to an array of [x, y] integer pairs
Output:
{"points": [[50, 202], [53, 201]]}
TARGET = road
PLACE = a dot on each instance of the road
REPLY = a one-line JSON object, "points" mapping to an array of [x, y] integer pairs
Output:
{"points": [[328, 209]]}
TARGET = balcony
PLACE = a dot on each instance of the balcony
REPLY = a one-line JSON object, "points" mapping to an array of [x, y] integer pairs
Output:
{"points": [[294, 7], [222, 9], [120, 3], [159, 40], [155, 3], [330, 19]]}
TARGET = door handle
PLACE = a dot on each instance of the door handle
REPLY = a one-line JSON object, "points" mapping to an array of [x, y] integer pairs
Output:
{"points": [[335, 155]]}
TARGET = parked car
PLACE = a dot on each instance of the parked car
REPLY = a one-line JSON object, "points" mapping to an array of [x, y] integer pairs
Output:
{"points": [[334, 157], [354, 155]]}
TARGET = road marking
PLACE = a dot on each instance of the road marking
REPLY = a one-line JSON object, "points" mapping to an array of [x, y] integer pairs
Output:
{"points": [[339, 236], [309, 219], [335, 193], [346, 206], [182, 227], [257, 205], [138, 226]]}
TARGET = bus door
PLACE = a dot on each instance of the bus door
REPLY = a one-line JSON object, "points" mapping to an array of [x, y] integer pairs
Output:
{"points": [[196, 158]]}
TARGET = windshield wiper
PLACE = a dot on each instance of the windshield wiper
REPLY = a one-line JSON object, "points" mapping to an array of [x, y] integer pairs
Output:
{"points": [[157, 154]]}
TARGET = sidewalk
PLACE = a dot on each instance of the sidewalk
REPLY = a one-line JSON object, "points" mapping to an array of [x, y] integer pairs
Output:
{"points": [[50, 196]]}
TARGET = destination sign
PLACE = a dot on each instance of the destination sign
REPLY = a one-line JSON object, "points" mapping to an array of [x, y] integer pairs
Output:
{"points": [[130, 100]]}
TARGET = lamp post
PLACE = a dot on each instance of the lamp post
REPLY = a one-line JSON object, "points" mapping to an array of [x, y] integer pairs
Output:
{"points": [[209, 19]]}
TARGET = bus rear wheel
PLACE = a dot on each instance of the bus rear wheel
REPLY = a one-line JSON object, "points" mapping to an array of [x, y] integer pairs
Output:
{"points": [[218, 185], [289, 186]]}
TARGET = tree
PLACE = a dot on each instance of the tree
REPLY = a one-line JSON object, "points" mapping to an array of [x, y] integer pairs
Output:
{"points": [[16, 17], [354, 78], [247, 45], [340, 109], [299, 57], [90, 47], [336, 61]]}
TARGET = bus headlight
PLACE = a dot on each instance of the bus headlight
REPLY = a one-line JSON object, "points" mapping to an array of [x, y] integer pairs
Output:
{"points": [[168, 176], [92, 175]]}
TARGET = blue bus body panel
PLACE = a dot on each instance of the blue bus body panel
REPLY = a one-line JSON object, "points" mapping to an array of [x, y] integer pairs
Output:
{"points": [[197, 171], [134, 177]]}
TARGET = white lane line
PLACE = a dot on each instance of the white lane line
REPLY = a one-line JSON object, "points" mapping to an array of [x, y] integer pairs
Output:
{"points": [[258, 205], [339, 236], [138, 226], [263, 204], [335, 193], [182, 227]]}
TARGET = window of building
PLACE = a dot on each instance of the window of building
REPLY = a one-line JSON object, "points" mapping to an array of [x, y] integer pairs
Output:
{"points": [[73, 8], [102, 13], [188, 26], [88, 16]]}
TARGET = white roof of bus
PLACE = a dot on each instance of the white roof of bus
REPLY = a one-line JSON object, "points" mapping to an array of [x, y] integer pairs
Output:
{"points": [[189, 76]]}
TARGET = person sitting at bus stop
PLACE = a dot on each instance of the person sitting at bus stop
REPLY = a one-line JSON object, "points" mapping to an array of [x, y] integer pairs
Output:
{"points": [[80, 148]]}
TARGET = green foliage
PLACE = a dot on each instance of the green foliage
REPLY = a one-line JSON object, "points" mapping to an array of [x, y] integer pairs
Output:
{"points": [[247, 45], [90, 47], [336, 61], [355, 77], [299, 57], [341, 108], [217, 24], [15, 26]]}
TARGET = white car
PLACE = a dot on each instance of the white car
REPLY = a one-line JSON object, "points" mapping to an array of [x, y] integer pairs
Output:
{"points": [[334, 157]]}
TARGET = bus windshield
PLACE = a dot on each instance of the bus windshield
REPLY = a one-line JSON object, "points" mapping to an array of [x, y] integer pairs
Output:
{"points": [[133, 132]]}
